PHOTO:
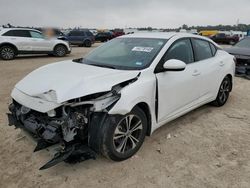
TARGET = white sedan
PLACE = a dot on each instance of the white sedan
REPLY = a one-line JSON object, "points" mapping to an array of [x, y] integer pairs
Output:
{"points": [[108, 101]]}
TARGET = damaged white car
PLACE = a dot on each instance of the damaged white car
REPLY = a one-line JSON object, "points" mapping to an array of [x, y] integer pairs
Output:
{"points": [[107, 102]]}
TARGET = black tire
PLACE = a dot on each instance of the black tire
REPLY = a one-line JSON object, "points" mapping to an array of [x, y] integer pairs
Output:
{"points": [[87, 43], [60, 51], [223, 93], [7, 52], [115, 148]]}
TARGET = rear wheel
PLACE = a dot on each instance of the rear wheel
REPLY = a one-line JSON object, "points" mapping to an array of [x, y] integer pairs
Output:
{"points": [[223, 93], [60, 51], [7, 52], [123, 137]]}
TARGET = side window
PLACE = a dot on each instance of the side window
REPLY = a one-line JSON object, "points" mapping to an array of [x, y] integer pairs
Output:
{"points": [[89, 34], [35, 34], [202, 49], [213, 48], [22, 33], [181, 50], [9, 33]]}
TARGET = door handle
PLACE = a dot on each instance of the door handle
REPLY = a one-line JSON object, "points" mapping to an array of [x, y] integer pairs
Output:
{"points": [[222, 63], [196, 73]]}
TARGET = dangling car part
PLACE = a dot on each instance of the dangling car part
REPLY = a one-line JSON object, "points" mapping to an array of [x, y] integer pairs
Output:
{"points": [[107, 102]]}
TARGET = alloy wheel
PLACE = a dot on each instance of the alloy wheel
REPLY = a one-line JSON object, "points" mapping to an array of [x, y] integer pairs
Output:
{"points": [[224, 91], [60, 51], [7, 53], [127, 134]]}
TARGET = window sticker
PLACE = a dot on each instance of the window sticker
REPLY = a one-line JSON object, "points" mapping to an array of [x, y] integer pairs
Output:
{"points": [[138, 63], [142, 49]]}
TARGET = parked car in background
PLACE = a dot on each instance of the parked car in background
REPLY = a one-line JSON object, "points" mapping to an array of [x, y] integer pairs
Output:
{"points": [[104, 36], [108, 101], [208, 33], [222, 38], [80, 37], [16, 41], [241, 51], [118, 32]]}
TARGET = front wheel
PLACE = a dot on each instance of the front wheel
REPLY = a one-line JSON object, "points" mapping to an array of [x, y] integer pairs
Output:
{"points": [[123, 136], [223, 92], [60, 51]]}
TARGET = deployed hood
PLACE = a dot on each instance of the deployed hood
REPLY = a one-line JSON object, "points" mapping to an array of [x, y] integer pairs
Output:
{"points": [[70, 80]]}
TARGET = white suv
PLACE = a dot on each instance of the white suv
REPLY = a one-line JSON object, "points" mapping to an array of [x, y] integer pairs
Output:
{"points": [[15, 41]]}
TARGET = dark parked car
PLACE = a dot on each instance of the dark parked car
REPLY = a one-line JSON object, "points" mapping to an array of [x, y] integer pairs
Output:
{"points": [[241, 51], [118, 32], [80, 37], [225, 39], [105, 36]]}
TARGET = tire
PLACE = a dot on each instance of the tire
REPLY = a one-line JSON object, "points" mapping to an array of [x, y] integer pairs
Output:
{"points": [[87, 43], [7, 52], [60, 51], [118, 144], [223, 93]]}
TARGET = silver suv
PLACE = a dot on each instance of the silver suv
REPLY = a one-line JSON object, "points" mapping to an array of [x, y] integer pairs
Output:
{"points": [[15, 41]]}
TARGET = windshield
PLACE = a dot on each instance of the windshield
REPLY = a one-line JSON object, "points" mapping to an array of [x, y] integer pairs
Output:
{"points": [[126, 53], [244, 43]]}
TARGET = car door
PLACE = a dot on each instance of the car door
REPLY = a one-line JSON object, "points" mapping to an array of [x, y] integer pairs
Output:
{"points": [[177, 91], [209, 66], [40, 43], [20, 38]]}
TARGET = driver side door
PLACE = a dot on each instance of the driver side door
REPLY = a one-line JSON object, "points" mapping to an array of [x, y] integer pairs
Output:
{"points": [[40, 43], [178, 90]]}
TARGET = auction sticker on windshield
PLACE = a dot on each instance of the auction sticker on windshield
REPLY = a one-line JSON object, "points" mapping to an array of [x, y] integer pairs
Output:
{"points": [[142, 49]]}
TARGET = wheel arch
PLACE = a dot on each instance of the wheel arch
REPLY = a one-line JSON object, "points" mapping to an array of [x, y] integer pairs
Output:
{"points": [[145, 108], [231, 80], [60, 44], [9, 44]]}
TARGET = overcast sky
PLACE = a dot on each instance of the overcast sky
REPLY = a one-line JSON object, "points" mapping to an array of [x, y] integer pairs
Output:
{"points": [[123, 13]]}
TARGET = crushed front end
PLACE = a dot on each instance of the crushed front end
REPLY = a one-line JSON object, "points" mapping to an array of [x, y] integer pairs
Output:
{"points": [[67, 126]]}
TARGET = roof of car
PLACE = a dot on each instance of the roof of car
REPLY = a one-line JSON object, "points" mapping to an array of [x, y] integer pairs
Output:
{"points": [[3, 30]]}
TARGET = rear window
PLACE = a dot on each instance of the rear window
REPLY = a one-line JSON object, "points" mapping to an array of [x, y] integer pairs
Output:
{"points": [[202, 49], [17, 33]]}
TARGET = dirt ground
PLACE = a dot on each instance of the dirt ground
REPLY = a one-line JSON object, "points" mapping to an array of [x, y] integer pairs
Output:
{"points": [[209, 147]]}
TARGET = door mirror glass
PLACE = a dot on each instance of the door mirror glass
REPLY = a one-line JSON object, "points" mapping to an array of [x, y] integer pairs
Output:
{"points": [[174, 65]]}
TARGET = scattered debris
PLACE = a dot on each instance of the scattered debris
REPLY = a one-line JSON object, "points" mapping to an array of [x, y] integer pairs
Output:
{"points": [[219, 165], [169, 136], [159, 151], [20, 138], [235, 117]]}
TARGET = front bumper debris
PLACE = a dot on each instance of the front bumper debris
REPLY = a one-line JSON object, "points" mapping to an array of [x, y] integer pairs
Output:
{"points": [[69, 152]]}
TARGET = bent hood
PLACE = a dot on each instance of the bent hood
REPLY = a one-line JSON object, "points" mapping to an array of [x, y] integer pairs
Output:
{"points": [[71, 80]]}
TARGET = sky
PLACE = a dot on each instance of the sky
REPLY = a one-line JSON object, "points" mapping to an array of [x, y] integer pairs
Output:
{"points": [[123, 13]]}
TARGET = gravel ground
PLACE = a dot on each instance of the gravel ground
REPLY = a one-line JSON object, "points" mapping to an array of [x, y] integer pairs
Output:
{"points": [[209, 147]]}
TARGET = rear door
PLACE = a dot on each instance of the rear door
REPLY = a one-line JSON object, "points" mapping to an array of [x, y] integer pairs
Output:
{"points": [[20, 38], [208, 63]]}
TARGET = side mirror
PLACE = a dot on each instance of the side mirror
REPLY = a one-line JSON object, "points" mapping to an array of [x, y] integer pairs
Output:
{"points": [[174, 65]]}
